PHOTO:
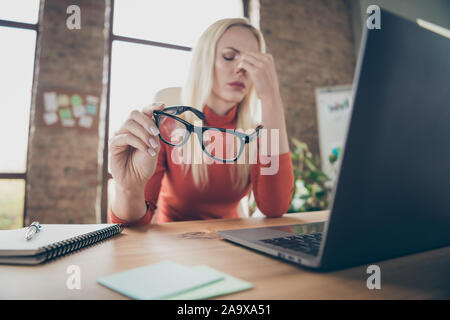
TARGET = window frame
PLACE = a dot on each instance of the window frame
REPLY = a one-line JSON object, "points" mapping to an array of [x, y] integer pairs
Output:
{"points": [[111, 38], [23, 175]]}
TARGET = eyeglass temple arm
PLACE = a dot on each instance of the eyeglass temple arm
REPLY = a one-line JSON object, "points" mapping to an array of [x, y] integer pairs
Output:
{"points": [[253, 135], [181, 109]]}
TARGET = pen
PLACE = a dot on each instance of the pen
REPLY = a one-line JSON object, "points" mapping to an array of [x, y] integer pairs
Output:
{"points": [[34, 228]]}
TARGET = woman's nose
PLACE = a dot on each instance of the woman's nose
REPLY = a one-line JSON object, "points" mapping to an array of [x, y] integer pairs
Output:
{"points": [[237, 66], [240, 70]]}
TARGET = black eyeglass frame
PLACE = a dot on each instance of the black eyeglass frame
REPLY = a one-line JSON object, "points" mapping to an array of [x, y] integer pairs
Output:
{"points": [[244, 138]]}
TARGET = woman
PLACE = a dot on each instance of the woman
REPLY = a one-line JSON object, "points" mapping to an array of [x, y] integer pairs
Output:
{"points": [[228, 72]]}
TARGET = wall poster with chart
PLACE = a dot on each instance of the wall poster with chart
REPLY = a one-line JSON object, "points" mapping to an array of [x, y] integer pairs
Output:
{"points": [[63, 109], [333, 115]]}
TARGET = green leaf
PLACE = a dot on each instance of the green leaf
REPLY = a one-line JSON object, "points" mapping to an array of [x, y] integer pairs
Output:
{"points": [[332, 158], [320, 194], [310, 164], [314, 175], [295, 141]]}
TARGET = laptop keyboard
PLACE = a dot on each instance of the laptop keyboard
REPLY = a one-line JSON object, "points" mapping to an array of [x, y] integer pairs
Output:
{"points": [[306, 243]]}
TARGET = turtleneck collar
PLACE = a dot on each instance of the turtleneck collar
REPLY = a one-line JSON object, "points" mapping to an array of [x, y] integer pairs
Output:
{"points": [[215, 120]]}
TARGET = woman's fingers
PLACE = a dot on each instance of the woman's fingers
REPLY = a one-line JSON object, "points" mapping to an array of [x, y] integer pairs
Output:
{"points": [[259, 58], [244, 64], [148, 110], [131, 126], [141, 125], [128, 139], [255, 61], [145, 121], [139, 131]]}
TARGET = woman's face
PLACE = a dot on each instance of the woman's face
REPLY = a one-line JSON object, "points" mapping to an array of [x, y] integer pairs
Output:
{"points": [[231, 84]]}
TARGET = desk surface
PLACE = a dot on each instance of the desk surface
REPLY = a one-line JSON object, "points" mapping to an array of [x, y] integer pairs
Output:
{"points": [[420, 276]]}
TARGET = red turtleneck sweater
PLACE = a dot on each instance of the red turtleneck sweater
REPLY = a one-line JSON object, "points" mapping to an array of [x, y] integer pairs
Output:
{"points": [[177, 198]]}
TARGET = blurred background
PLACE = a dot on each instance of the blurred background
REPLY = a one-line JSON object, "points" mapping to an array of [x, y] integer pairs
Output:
{"points": [[66, 88]]}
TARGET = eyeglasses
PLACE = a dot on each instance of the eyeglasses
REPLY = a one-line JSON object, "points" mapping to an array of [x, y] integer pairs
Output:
{"points": [[221, 144]]}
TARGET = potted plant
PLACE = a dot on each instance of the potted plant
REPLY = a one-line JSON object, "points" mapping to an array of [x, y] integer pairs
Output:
{"points": [[311, 190], [312, 187]]}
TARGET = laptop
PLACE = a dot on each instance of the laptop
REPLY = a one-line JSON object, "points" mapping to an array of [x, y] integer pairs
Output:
{"points": [[392, 193]]}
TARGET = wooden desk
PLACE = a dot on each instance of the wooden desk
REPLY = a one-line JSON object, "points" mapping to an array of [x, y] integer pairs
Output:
{"points": [[420, 276]]}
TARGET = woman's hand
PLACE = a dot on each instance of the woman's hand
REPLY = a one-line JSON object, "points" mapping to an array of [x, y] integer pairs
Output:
{"points": [[261, 68], [133, 151]]}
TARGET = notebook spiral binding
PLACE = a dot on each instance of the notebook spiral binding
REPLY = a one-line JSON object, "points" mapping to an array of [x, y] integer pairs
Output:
{"points": [[61, 248]]}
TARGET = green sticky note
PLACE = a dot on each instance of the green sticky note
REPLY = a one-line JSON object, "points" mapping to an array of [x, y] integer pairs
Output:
{"points": [[226, 286], [158, 281], [65, 114], [76, 100]]}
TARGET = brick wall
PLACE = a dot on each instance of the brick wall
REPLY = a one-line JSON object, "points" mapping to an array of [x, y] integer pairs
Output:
{"points": [[312, 43], [63, 163]]}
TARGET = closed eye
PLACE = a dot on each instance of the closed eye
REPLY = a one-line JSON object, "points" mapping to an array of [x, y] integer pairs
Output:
{"points": [[228, 58], [230, 54]]}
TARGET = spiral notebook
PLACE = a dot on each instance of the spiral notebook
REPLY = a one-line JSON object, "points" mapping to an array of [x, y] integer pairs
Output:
{"points": [[52, 241]]}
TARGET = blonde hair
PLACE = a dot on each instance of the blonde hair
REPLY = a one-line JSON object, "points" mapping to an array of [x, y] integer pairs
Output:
{"points": [[197, 89]]}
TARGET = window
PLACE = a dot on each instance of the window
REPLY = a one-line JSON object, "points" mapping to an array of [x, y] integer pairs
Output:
{"points": [[135, 81], [151, 50], [25, 11], [18, 33], [12, 200], [171, 21]]}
